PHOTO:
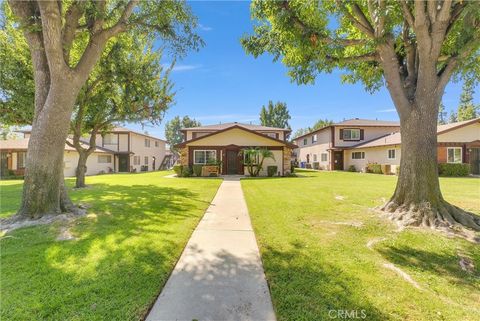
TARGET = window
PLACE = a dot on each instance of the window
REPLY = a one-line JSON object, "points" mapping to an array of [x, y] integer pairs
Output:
{"points": [[314, 157], [391, 154], [454, 155], [305, 141], [104, 159], [136, 160], [324, 157], [110, 139], [156, 143], [351, 134], [147, 142], [314, 138], [204, 156], [358, 155], [21, 159]]}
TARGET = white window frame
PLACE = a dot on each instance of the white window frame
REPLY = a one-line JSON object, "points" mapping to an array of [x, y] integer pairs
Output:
{"points": [[305, 141], [315, 158], [394, 153], [322, 156], [145, 160], [205, 156], [314, 138], [108, 159], [448, 156], [362, 155], [156, 143], [21, 159], [351, 130], [136, 160], [147, 142]]}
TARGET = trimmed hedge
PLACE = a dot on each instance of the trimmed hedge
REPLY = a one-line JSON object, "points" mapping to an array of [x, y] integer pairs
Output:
{"points": [[352, 168], [197, 170], [450, 169], [316, 165], [187, 171], [374, 168], [271, 170], [178, 169]]}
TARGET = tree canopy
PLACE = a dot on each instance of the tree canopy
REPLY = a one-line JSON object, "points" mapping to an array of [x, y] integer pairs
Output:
{"points": [[275, 115], [173, 128]]}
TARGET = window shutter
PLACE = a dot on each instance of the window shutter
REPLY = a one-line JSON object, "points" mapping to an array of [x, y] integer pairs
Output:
{"points": [[341, 134], [361, 134]]}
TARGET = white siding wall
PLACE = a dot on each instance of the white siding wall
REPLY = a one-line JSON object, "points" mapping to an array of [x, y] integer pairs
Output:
{"points": [[465, 134], [377, 155], [322, 145], [93, 166], [369, 134], [137, 146]]}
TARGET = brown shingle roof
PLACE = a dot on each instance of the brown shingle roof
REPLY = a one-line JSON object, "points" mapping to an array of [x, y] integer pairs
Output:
{"points": [[228, 125]]}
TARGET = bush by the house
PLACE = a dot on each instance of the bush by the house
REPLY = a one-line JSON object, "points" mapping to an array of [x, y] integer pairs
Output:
{"points": [[459, 169], [374, 168], [187, 171], [178, 169], [308, 166], [316, 165], [292, 166], [352, 168], [271, 170], [197, 170]]}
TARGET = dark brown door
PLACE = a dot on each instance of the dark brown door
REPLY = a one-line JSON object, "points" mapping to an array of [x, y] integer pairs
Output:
{"points": [[338, 160], [232, 162], [475, 161], [123, 163]]}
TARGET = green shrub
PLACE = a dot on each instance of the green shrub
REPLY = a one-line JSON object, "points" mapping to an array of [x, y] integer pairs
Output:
{"points": [[316, 165], [374, 168], [450, 169], [352, 168], [187, 171], [271, 170], [178, 169], [197, 170], [292, 168]]}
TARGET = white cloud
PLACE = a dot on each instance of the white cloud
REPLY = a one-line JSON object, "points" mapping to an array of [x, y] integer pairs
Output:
{"points": [[179, 67], [389, 110], [204, 28]]}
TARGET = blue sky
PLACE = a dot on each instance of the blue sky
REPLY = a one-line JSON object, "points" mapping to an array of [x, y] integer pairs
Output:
{"points": [[220, 83]]}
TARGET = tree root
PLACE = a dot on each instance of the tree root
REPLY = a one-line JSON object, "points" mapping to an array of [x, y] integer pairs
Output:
{"points": [[446, 217]]}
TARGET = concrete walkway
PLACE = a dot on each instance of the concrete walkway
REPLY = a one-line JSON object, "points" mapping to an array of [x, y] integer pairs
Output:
{"points": [[219, 276]]}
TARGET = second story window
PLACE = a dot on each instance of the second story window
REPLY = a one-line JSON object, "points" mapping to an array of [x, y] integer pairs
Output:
{"points": [[156, 143], [305, 141], [110, 139], [391, 154], [314, 138], [351, 134], [147, 142]]}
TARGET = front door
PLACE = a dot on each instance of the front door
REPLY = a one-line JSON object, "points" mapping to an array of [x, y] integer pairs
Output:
{"points": [[475, 161], [338, 160], [232, 162], [123, 163]]}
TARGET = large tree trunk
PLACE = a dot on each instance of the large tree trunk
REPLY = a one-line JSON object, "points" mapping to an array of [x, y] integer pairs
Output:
{"points": [[417, 199], [81, 168], [44, 191]]}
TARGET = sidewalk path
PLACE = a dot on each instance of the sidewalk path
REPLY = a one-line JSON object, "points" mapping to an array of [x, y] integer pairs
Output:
{"points": [[219, 276]]}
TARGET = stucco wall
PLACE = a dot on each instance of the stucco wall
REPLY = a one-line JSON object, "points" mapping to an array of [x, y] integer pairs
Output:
{"points": [[465, 134], [93, 166], [137, 146], [235, 136], [377, 155], [369, 134]]}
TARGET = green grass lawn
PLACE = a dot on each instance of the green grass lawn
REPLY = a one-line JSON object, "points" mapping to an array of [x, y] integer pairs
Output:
{"points": [[313, 231], [137, 227]]}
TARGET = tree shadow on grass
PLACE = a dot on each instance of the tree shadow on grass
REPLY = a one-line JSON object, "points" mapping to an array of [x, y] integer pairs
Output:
{"points": [[124, 253], [445, 265], [302, 290]]}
